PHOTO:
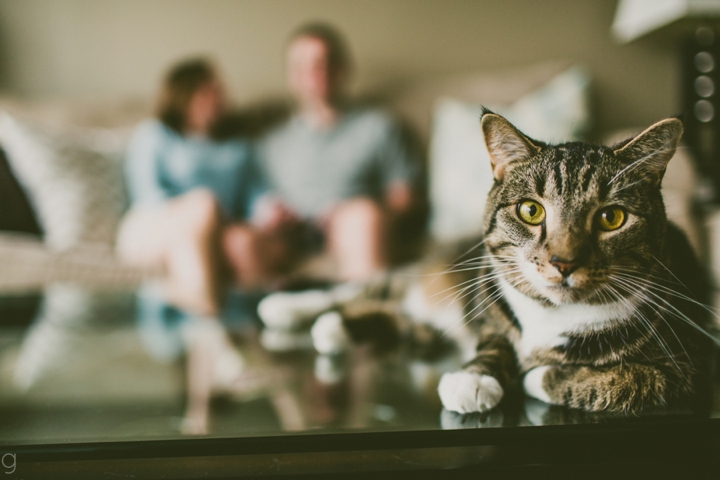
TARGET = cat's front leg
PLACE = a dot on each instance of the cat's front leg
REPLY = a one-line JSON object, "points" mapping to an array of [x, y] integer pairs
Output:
{"points": [[479, 386], [627, 387]]}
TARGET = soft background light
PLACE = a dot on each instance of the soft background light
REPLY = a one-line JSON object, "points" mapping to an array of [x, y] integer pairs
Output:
{"points": [[88, 48], [635, 18]]}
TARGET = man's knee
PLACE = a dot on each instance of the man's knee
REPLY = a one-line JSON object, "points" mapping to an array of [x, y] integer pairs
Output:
{"points": [[357, 238], [361, 211]]}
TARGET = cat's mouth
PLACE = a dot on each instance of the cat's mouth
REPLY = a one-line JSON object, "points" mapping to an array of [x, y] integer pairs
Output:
{"points": [[566, 288], [564, 285], [571, 292], [573, 288]]}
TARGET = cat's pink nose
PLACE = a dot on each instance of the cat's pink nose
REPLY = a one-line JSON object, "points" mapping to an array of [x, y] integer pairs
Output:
{"points": [[565, 267]]}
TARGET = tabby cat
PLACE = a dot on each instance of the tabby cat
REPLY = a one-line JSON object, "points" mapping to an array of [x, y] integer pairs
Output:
{"points": [[580, 288]]}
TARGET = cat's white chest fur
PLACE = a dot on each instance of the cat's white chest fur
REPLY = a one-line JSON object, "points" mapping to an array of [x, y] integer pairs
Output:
{"points": [[547, 326]]}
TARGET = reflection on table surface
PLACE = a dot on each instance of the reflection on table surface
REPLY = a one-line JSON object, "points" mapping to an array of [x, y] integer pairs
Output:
{"points": [[105, 366]]}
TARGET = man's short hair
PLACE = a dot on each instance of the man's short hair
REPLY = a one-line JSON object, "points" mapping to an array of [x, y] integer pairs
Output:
{"points": [[334, 41]]}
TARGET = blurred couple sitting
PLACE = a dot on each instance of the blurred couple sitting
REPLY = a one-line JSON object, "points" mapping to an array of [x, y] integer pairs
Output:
{"points": [[330, 179]]}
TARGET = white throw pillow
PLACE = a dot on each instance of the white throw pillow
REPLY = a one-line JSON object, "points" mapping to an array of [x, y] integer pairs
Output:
{"points": [[460, 173], [73, 177]]}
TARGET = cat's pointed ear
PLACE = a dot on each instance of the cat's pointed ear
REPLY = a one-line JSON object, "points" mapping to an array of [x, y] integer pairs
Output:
{"points": [[650, 151], [505, 143]]}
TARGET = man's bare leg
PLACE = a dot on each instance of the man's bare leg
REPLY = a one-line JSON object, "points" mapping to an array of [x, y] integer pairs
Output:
{"points": [[255, 257], [357, 235]]}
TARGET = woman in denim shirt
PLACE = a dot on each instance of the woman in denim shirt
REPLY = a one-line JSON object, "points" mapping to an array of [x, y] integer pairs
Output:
{"points": [[198, 204]]}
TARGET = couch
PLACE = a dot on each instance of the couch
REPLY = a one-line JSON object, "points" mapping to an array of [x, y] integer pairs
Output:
{"points": [[62, 193], [62, 197]]}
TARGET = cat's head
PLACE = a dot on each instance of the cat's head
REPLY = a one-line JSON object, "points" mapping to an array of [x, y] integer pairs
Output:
{"points": [[560, 219]]}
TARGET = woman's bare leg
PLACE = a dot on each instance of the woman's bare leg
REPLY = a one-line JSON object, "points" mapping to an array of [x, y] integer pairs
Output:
{"points": [[214, 365], [192, 251], [180, 236]]}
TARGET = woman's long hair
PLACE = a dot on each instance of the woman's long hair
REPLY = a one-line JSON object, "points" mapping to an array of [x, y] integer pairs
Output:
{"points": [[180, 84]]}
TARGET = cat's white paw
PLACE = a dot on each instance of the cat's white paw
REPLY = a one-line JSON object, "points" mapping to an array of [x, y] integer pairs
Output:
{"points": [[533, 384], [289, 311], [466, 392], [329, 335]]}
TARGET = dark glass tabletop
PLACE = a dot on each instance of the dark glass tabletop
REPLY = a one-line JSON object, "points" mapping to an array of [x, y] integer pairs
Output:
{"points": [[120, 376]]}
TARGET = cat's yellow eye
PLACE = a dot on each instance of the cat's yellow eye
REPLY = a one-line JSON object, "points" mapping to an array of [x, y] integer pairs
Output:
{"points": [[531, 212], [612, 218]]}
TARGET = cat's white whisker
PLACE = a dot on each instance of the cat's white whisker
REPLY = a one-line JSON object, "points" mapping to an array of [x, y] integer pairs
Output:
{"points": [[454, 264], [482, 302], [675, 312], [474, 282], [496, 295], [467, 293], [670, 291], [669, 271], [656, 334], [646, 273], [482, 262], [480, 243], [643, 319]]}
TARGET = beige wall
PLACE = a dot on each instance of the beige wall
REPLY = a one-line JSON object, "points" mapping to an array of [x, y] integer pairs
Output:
{"points": [[70, 48]]}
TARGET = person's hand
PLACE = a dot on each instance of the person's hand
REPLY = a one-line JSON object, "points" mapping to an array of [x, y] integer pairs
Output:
{"points": [[272, 214], [399, 197]]}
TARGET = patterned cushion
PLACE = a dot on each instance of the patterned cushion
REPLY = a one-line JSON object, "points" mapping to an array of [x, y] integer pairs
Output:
{"points": [[74, 178], [414, 103]]}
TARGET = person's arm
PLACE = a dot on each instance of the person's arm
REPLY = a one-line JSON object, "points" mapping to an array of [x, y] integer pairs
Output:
{"points": [[405, 197], [142, 166], [399, 197], [401, 171], [259, 205]]}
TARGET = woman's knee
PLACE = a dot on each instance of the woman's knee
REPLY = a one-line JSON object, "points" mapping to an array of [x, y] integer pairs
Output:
{"points": [[198, 210]]}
